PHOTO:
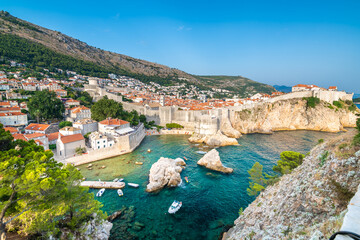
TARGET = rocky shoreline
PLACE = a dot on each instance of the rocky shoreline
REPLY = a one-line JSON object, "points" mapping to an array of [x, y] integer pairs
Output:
{"points": [[308, 203]]}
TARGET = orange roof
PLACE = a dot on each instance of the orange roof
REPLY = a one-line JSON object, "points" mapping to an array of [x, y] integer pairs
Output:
{"points": [[18, 136], [72, 138], [11, 114], [78, 109], [11, 129], [113, 122], [332, 87], [72, 100], [53, 136], [9, 108], [37, 127], [34, 135], [4, 104]]}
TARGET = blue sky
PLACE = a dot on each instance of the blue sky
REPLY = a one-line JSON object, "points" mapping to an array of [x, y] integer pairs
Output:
{"points": [[274, 42]]}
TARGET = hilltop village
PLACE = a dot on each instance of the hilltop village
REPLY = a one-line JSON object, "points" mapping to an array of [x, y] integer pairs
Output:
{"points": [[193, 111]]}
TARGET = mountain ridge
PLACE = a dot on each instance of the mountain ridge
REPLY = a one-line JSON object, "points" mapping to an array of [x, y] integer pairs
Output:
{"points": [[133, 67]]}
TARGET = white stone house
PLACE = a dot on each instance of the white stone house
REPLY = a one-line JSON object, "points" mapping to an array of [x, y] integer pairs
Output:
{"points": [[99, 141], [86, 125], [66, 145], [13, 119], [65, 131], [78, 113], [114, 127]]}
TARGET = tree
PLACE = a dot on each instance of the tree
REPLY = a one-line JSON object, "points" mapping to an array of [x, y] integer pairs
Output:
{"points": [[39, 193], [289, 161], [142, 118], [65, 124], [257, 180], [44, 105], [5, 139], [356, 140], [105, 108]]}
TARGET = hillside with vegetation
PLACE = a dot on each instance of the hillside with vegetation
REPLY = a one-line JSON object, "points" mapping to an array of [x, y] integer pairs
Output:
{"points": [[237, 84], [40, 47]]}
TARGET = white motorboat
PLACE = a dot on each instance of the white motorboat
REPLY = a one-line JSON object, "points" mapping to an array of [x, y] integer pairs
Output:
{"points": [[116, 180], [175, 206], [120, 180], [100, 192], [201, 152], [120, 192], [135, 185]]}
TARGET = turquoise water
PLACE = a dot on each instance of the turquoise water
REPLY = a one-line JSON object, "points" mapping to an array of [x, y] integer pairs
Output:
{"points": [[211, 200]]}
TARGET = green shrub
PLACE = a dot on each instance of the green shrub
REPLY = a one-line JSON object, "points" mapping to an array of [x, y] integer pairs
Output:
{"points": [[52, 146], [312, 101], [173, 125], [352, 108], [338, 104], [65, 124], [349, 102], [323, 158], [87, 135], [289, 161], [320, 141], [342, 193]]}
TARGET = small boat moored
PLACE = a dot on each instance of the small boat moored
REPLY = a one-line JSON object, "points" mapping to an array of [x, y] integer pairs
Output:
{"points": [[201, 152], [120, 180], [120, 192], [135, 185], [175, 206], [185, 158], [139, 163], [100, 192], [149, 150], [116, 180], [186, 179]]}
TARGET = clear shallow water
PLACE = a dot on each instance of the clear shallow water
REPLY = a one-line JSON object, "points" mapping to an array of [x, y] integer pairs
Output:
{"points": [[211, 200]]}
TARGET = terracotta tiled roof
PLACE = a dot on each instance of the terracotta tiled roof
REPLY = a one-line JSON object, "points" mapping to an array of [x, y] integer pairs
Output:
{"points": [[11, 129], [37, 127], [71, 138], [10, 109], [4, 104], [72, 100], [34, 135], [79, 109], [113, 122], [11, 114], [332, 87], [53, 136], [19, 136]]}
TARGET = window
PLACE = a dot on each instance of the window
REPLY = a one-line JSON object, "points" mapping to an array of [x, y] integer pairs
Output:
{"points": [[104, 141], [104, 146], [98, 147], [98, 142], [110, 144]]}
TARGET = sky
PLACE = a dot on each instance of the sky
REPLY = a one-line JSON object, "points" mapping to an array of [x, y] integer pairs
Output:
{"points": [[274, 42]]}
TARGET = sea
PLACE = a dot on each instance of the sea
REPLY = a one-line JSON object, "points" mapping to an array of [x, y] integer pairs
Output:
{"points": [[210, 200]]}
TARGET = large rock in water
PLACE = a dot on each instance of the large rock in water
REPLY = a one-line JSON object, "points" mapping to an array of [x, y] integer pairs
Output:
{"points": [[211, 160], [165, 172], [215, 140]]}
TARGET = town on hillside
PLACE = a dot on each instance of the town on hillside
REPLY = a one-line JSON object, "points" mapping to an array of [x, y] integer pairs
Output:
{"points": [[76, 133]]}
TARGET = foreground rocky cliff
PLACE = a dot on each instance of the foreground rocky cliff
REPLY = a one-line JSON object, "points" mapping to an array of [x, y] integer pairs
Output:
{"points": [[292, 114], [309, 203]]}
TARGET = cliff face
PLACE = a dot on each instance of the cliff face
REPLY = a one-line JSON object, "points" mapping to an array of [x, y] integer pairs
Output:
{"points": [[309, 202], [292, 115]]}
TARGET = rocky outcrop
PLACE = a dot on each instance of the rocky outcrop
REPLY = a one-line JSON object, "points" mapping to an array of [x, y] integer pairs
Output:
{"points": [[214, 140], [292, 115], [227, 129], [211, 160], [310, 202], [94, 229], [165, 172]]}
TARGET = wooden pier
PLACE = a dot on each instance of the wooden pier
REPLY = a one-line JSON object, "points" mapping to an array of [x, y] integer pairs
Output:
{"points": [[102, 184]]}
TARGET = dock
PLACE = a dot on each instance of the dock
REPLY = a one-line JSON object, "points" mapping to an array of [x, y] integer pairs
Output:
{"points": [[102, 184]]}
